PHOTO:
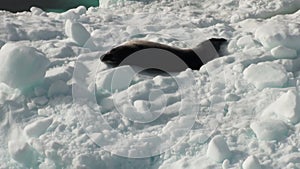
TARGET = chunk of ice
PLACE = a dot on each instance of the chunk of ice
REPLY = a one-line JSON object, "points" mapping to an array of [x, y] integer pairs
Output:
{"points": [[285, 107], [282, 52], [270, 129], [275, 33], [218, 149], [266, 74], [21, 66], [251, 163], [38, 127], [76, 32]]}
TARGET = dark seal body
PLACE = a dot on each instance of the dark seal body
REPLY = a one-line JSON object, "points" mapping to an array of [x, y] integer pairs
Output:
{"points": [[147, 54]]}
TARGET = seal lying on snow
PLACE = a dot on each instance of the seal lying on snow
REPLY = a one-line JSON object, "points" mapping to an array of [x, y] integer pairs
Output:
{"points": [[151, 55]]}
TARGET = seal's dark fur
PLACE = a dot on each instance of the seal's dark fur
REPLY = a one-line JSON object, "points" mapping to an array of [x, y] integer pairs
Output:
{"points": [[116, 55]]}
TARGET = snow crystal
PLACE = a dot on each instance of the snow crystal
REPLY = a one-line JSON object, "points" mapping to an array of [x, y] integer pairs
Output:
{"points": [[282, 52], [251, 163], [266, 74], [21, 66], [218, 149], [270, 129], [76, 32]]}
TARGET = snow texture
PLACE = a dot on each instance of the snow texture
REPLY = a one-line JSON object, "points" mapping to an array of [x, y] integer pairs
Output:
{"points": [[237, 111]]}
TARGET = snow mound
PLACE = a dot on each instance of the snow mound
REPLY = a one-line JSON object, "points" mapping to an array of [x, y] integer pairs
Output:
{"points": [[266, 74], [268, 8], [220, 94], [282, 52], [286, 107], [115, 79], [246, 42], [19, 149], [38, 127], [73, 14], [21, 152], [251, 163], [21, 66], [37, 11], [42, 34], [274, 34], [40, 101], [218, 149], [62, 52], [57, 88], [76, 32], [293, 157], [58, 73], [270, 129]]}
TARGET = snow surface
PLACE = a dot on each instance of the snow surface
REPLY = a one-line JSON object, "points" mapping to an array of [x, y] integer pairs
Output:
{"points": [[60, 107]]}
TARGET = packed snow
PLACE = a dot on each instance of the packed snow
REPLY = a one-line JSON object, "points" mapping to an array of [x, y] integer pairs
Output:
{"points": [[61, 107]]}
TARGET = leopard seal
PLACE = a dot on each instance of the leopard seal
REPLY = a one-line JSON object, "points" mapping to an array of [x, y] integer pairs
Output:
{"points": [[148, 54]]}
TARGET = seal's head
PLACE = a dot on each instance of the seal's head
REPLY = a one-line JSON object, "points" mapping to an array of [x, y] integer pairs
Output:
{"points": [[117, 54]]}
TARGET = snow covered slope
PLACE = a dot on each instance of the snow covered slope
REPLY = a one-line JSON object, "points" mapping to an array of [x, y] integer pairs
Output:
{"points": [[60, 107]]}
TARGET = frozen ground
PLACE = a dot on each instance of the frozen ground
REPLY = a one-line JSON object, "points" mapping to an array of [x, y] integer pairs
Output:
{"points": [[62, 108]]}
